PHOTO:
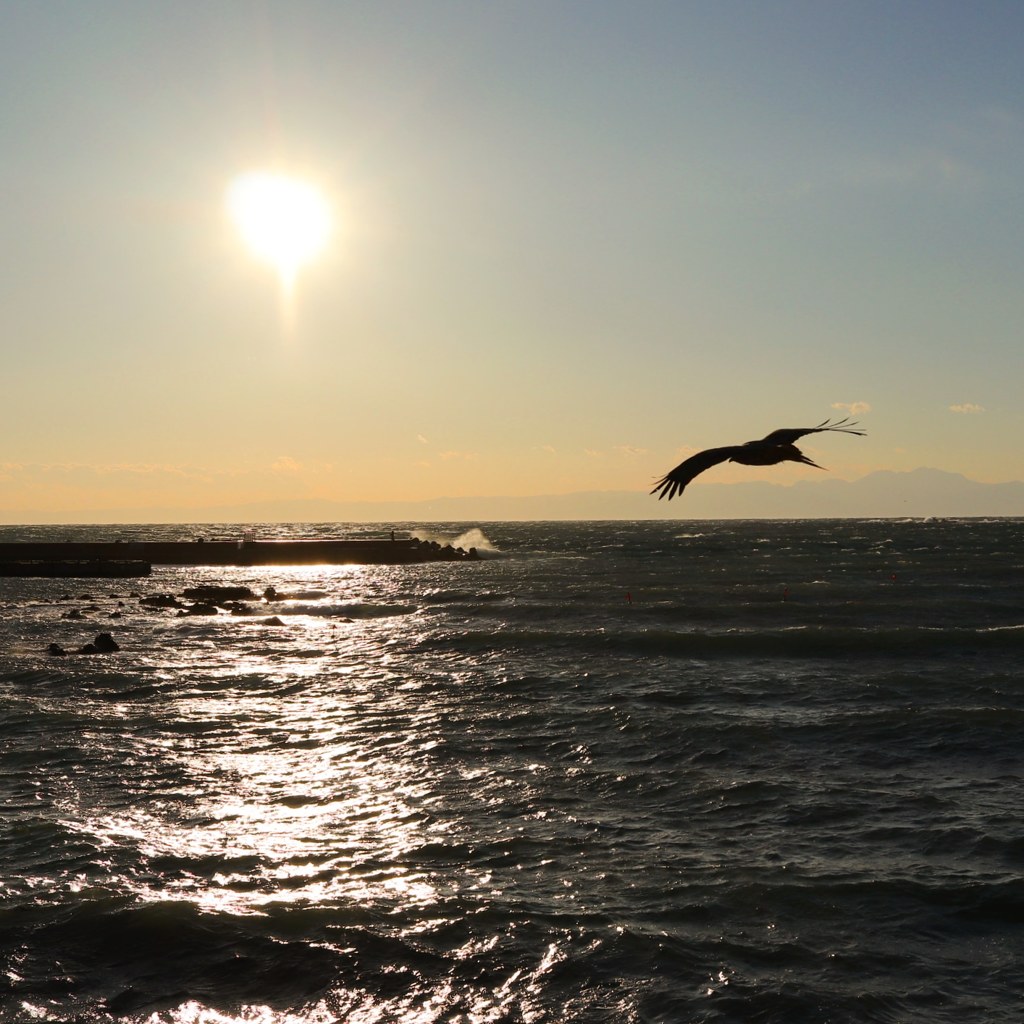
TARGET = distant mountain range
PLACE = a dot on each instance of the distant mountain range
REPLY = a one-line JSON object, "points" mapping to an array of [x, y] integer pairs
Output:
{"points": [[883, 494]]}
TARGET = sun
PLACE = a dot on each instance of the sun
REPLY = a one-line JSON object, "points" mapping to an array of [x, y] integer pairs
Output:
{"points": [[283, 220]]}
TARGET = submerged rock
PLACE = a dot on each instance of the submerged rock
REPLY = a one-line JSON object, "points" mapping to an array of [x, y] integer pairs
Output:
{"points": [[219, 595], [199, 609], [103, 644], [161, 601]]}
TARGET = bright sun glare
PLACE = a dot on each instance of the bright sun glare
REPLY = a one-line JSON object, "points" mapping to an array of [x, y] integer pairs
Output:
{"points": [[283, 220]]}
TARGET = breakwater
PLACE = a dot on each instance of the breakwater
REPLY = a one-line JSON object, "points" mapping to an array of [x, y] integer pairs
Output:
{"points": [[240, 552]]}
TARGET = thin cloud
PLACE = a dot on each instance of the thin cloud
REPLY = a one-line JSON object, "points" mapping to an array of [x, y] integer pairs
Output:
{"points": [[928, 167], [106, 469], [628, 449], [283, 464], [853, 408], [968, 408]]}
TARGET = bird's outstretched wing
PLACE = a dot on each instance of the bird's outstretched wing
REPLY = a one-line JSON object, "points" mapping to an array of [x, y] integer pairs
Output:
{"points": [[787, 435], [674, 482]]}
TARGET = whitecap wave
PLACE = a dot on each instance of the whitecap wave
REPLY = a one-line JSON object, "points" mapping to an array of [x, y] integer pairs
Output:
{"points": [[473, 538]]}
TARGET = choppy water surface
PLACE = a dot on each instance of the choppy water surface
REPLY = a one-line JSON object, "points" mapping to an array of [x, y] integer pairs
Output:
{"points": [[617, 772]]}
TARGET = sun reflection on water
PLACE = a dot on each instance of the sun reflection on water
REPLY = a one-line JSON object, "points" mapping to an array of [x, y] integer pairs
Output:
{"points": [[291, 776], [285, 765], [288, 824]]}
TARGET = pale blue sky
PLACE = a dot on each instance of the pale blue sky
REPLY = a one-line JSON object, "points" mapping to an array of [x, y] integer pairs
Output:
{"points": [[573, 240]]}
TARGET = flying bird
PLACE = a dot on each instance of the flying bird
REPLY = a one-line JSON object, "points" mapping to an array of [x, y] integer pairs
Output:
{"points": [[772, 449]]}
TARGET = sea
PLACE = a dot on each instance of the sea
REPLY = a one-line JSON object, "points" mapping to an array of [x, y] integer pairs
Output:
{"points": [[766, 772]]}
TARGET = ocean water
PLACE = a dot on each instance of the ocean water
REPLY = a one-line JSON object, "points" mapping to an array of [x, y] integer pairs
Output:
{"points": [[612, 772]]}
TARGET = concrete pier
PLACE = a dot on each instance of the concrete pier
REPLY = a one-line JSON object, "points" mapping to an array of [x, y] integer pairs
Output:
{"points": [[242, 552]]}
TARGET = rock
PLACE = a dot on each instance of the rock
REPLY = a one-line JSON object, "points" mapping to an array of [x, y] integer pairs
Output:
{"points": [[200, 609], [73, 614], [218, 595], [273, 621], [105, 644], [161, 601], [56, 651]]}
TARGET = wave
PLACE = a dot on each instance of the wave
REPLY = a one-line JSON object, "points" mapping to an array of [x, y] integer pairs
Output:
{"points": [[789, 642], [345, 609], [474, 538]]}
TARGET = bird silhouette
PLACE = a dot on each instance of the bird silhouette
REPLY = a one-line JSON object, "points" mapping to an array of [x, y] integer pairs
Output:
{"points": [[770, 450]]}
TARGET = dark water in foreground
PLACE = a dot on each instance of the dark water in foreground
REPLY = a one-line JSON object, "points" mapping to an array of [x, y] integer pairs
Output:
{"points": [[673, 772]]}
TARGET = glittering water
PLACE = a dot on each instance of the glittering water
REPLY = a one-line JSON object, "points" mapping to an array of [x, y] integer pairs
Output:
{"points": [[613, 772]]}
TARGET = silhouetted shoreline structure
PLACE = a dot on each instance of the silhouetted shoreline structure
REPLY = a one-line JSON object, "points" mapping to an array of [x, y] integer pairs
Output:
{"points": [[126, 558]]}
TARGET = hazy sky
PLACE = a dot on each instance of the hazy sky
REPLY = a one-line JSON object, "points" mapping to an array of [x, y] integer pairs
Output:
{"points": [[572, 242]]}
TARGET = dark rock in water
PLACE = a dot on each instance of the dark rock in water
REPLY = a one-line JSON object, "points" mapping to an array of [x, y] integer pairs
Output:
{"points": [[105, 644], [273, 621], [115, 615], [73, 614], [161, 601], [218, 595], [237, 608], [199, 609], [126, 1001], [56, 651]]}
